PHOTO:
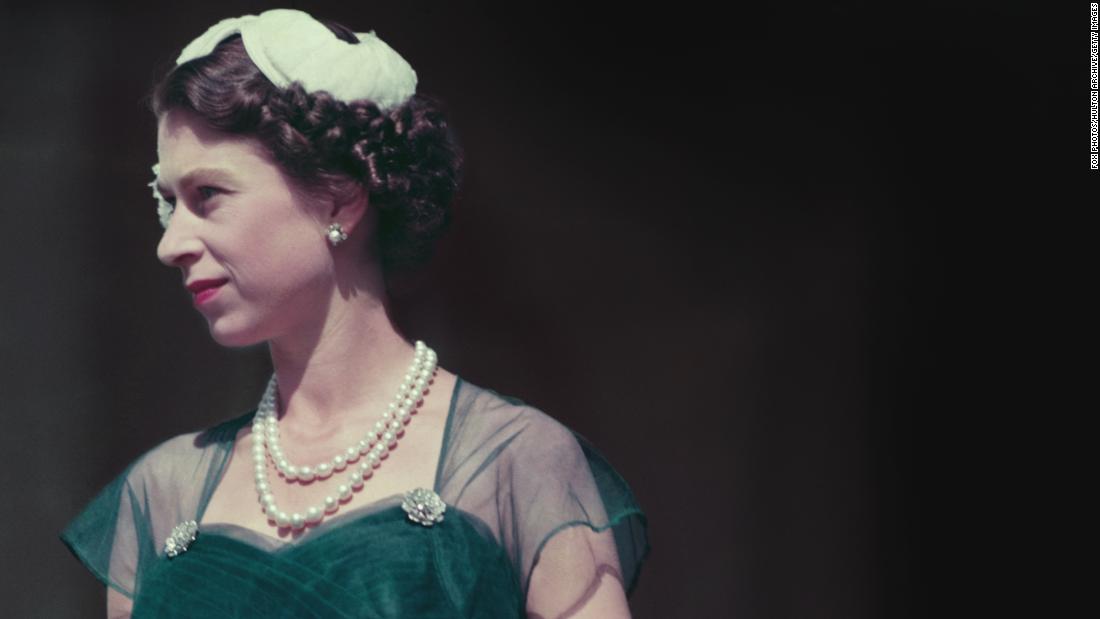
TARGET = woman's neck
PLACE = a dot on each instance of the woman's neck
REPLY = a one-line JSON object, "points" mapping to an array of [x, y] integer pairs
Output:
{"points": [[348, 364]]}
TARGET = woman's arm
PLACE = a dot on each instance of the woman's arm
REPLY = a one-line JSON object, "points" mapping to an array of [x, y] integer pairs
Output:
{"points": [[577, 576], [118, 605]]}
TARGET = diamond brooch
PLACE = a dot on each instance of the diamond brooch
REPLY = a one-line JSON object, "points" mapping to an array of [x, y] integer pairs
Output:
{"points": [[181, 538], [424, 506]]}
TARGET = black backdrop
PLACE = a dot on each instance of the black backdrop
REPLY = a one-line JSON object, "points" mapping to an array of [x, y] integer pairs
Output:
{"points": [[734, 249]]}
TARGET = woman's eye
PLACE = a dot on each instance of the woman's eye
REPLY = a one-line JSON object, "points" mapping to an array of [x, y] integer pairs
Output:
{"points": [[207, 192]]}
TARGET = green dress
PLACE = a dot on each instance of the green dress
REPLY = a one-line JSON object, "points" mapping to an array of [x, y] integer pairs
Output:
{"points": [[511, 476]]}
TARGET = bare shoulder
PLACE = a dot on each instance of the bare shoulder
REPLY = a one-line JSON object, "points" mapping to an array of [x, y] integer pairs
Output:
{"points": [[441, 391]]}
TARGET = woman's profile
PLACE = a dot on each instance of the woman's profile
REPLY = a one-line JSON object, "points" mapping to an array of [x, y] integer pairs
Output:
{"points": [[296, 166]]}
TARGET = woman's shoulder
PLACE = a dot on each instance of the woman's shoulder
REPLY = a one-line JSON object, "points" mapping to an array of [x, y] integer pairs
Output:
{"points": [[130, 517], [185, 455], [529, 476], [508, 425], [482, 400]]}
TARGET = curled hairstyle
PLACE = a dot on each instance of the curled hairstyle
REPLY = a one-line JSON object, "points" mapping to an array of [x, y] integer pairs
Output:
{"points": [[407, 159]]}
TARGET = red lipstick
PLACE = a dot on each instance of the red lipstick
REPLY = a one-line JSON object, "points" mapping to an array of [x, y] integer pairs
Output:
{"points": [[205, 289]]}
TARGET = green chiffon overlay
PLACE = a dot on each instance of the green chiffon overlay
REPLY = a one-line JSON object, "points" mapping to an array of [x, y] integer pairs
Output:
{"points": [[512, 477]]}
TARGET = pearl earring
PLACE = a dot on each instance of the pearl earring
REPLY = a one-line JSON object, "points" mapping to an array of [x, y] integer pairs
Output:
{"points": [[336, 234]]}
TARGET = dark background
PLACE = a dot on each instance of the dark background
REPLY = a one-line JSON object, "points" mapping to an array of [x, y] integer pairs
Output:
{"points": [[747, 253]]}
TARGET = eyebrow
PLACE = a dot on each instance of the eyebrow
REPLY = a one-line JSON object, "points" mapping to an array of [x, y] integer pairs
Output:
{"points": [[217, 175]]}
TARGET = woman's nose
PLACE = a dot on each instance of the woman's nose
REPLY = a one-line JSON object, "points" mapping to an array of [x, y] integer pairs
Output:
{"points": [[179, 246]]}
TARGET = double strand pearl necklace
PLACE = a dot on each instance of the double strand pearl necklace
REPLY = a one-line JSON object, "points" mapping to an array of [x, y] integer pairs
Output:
{"points": [[372, 449]]}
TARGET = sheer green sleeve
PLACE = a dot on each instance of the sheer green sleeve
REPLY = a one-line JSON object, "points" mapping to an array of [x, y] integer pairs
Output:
{"points": [[106, 536], [532, 481], [122, 530]]}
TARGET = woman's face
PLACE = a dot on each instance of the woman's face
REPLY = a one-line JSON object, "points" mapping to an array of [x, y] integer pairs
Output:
{"points": [[253, 254]]}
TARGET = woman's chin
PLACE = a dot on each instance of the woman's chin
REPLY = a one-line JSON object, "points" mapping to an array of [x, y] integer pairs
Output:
{"points": [[231, 336]]}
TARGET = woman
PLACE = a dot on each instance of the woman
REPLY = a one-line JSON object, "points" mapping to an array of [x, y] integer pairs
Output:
{"points": [[297, 165]]}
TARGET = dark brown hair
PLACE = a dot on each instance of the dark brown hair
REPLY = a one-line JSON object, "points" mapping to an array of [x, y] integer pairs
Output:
{"points": [[407, 158]]}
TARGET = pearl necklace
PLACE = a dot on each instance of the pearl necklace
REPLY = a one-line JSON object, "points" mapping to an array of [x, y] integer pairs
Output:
{"points": [[372, 449]]}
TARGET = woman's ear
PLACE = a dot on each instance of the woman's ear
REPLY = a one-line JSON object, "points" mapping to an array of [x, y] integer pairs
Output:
{"points": [[350, 210]]}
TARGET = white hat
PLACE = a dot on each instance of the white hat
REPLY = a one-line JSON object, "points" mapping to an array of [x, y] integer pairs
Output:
{"points": [[288, 46]]}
